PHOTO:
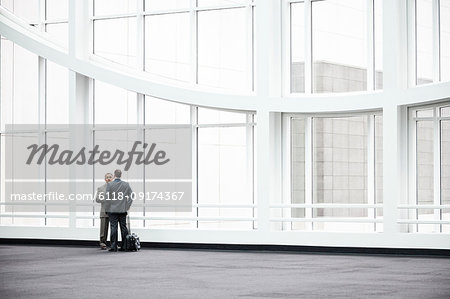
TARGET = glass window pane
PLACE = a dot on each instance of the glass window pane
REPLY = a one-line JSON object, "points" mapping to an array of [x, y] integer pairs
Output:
{"points": [[113, 105], [19, 86], [57, 9], [159, 111], [425, 153], [167, 45], [28, 10], [298, 169], [424, 16], [445, 112], [110, 7], [340, 164], [7, 81], [213, 116], [166, 4], [57, 94], [425, 113], [445, 39], [339, 45], [222, 47], [223, 177], [59, 32], [115, 40], [378, 43], [297, 47]]}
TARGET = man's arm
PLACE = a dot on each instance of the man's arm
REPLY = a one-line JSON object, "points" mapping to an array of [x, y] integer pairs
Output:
{"points": [[129, 198], [99, 196]]}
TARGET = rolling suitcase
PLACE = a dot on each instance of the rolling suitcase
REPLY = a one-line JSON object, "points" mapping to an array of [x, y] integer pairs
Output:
{"points": [[132, 240]]}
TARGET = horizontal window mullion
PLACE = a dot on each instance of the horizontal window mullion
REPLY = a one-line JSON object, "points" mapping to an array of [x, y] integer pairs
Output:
{"points": [[116, 16], [329, 219]]}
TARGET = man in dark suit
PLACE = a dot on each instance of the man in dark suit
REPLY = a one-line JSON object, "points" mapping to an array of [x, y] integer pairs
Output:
{"points": [[118, 196]]}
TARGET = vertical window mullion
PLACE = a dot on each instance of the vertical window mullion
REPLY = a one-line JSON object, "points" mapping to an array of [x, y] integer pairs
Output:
{"points": [[308, 47], [412, 213], [437, 167], [194, 125], [140, 64], [287, 47], [412, 43], [287, 171], [42, 99], [193, 18], [370, 36], [249, 159], [140, 38], [371, 167], [436, 41], [249, 47], [309, 171]]}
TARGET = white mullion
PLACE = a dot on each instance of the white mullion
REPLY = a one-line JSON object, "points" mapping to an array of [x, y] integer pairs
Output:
{"points": [[165, 12], [194, 117], [42, 102], [42, 121], [249, 159], [287, 170], [412, 47], [90, 30], [309, 171], [308, 46], [219, 7], [371, 167], [436, 41], [140, 64], [140, 32], [249, 47], [370, 45], [412, 214], [437, 167], [286, 48], [193, 16], [42, 14], [114, 16]]}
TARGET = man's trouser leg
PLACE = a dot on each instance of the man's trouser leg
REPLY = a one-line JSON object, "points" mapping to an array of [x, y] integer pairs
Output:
{"points": [[104, 225], [113, 219], [123, 228]]}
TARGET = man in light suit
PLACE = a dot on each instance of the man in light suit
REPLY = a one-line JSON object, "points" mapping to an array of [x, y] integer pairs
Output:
{"points": [[104, 219], [118, 199]]}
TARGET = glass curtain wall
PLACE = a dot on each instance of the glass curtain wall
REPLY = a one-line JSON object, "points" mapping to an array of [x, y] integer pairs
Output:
{"points": [[336, 173], [345, 52], [205, 42], [428, 208]]}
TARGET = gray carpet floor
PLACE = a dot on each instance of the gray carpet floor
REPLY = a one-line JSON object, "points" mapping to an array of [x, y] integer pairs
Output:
{"points": [[88, 272]]}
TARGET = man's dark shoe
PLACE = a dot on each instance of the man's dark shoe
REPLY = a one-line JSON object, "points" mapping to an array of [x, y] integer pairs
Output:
{"points": [[122, 249]]}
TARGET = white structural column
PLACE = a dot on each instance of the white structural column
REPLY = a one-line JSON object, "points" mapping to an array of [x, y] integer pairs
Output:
{"points": [[263, 37], [79, 85], [395, 60], [394, 80]]}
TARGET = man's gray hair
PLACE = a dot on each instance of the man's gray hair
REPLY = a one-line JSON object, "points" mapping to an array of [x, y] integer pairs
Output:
{"points": [[118, 173]]}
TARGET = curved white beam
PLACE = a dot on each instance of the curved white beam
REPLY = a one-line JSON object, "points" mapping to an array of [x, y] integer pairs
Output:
{"points": [[29, 38]]}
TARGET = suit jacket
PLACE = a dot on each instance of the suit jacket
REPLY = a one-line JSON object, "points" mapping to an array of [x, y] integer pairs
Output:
{"points": [[98, 198], [118, 197]]}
